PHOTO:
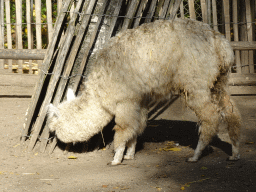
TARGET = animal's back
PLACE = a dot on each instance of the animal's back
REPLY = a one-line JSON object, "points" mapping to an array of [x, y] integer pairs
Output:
{"points": [[162, 56]]}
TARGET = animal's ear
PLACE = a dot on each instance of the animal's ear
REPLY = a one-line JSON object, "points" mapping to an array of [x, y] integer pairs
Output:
{"points": [[52, 111], [70, 95]]}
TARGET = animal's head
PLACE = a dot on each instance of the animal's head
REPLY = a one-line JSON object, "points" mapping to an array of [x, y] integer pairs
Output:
{"points": [[55, 113]]}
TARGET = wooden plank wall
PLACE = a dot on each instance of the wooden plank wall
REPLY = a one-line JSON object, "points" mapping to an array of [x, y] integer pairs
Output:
{"points": [[235, 19]]}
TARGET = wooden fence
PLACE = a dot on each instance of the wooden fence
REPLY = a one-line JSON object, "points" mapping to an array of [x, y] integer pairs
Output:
{"points": [[78, 33], [28, 24]]}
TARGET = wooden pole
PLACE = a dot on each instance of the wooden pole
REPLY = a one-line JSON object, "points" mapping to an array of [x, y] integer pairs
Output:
{"points": [[191, 4], [204, 11], [249, 33], [9, 31], [214, 15], [130, 13], [49, 20], [19, 45], [114, 19], [175, 9], [139, 13], [29, 30], [236, 37], [1, 31], [151, 11]]}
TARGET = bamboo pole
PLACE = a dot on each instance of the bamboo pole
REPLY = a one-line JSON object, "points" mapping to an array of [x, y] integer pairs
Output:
{"points": [[54, 79], [50, 54], [18, 4], [191, 4], [236, 37], [249, 33], [9, 31], [214, 15]]}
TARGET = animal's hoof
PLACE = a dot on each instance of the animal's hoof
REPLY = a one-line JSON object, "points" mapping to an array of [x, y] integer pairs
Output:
{"points": [[114, 163], [192, 160], [234, 158], [127, 157]]}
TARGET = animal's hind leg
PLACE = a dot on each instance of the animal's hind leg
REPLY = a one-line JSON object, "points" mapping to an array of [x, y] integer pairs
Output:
{"points": [[231, 115], [209, 119], [131, 146]]}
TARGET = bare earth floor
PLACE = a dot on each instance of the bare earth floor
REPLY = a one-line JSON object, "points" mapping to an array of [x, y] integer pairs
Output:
{"points": [[155, 167]]}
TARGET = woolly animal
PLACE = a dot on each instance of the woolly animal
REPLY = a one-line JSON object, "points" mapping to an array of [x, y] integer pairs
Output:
{"points": [[143, 65]]}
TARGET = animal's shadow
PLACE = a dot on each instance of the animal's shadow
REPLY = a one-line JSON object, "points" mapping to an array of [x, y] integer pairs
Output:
{"points": [[183, 132]]}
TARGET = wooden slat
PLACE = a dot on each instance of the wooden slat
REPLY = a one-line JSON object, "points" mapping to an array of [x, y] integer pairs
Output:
{"points": [[243, 37], [130, 13], [139, 13], [164, 10], [9, 31], [250, 33], [18, 4], [243, 45], [47, 62], [151, 11], [59, 6], [236, 37], [236, 79], [214, 15], [209, 12], [191, 4], [174, 10], [182, 10], [38, 9], [49, 20], [170, 8], [29, 30], [1, 31], [87, 9], [114, 19], [24, 54], [227, 19], [54, 79], [204, 11], [158, 9]]}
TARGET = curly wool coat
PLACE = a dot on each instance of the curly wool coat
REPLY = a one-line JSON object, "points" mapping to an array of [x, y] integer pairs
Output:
{"points": [[145, 64]]}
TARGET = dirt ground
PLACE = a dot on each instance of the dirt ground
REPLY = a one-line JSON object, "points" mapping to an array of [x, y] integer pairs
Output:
{"points": [[155, 167]]}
